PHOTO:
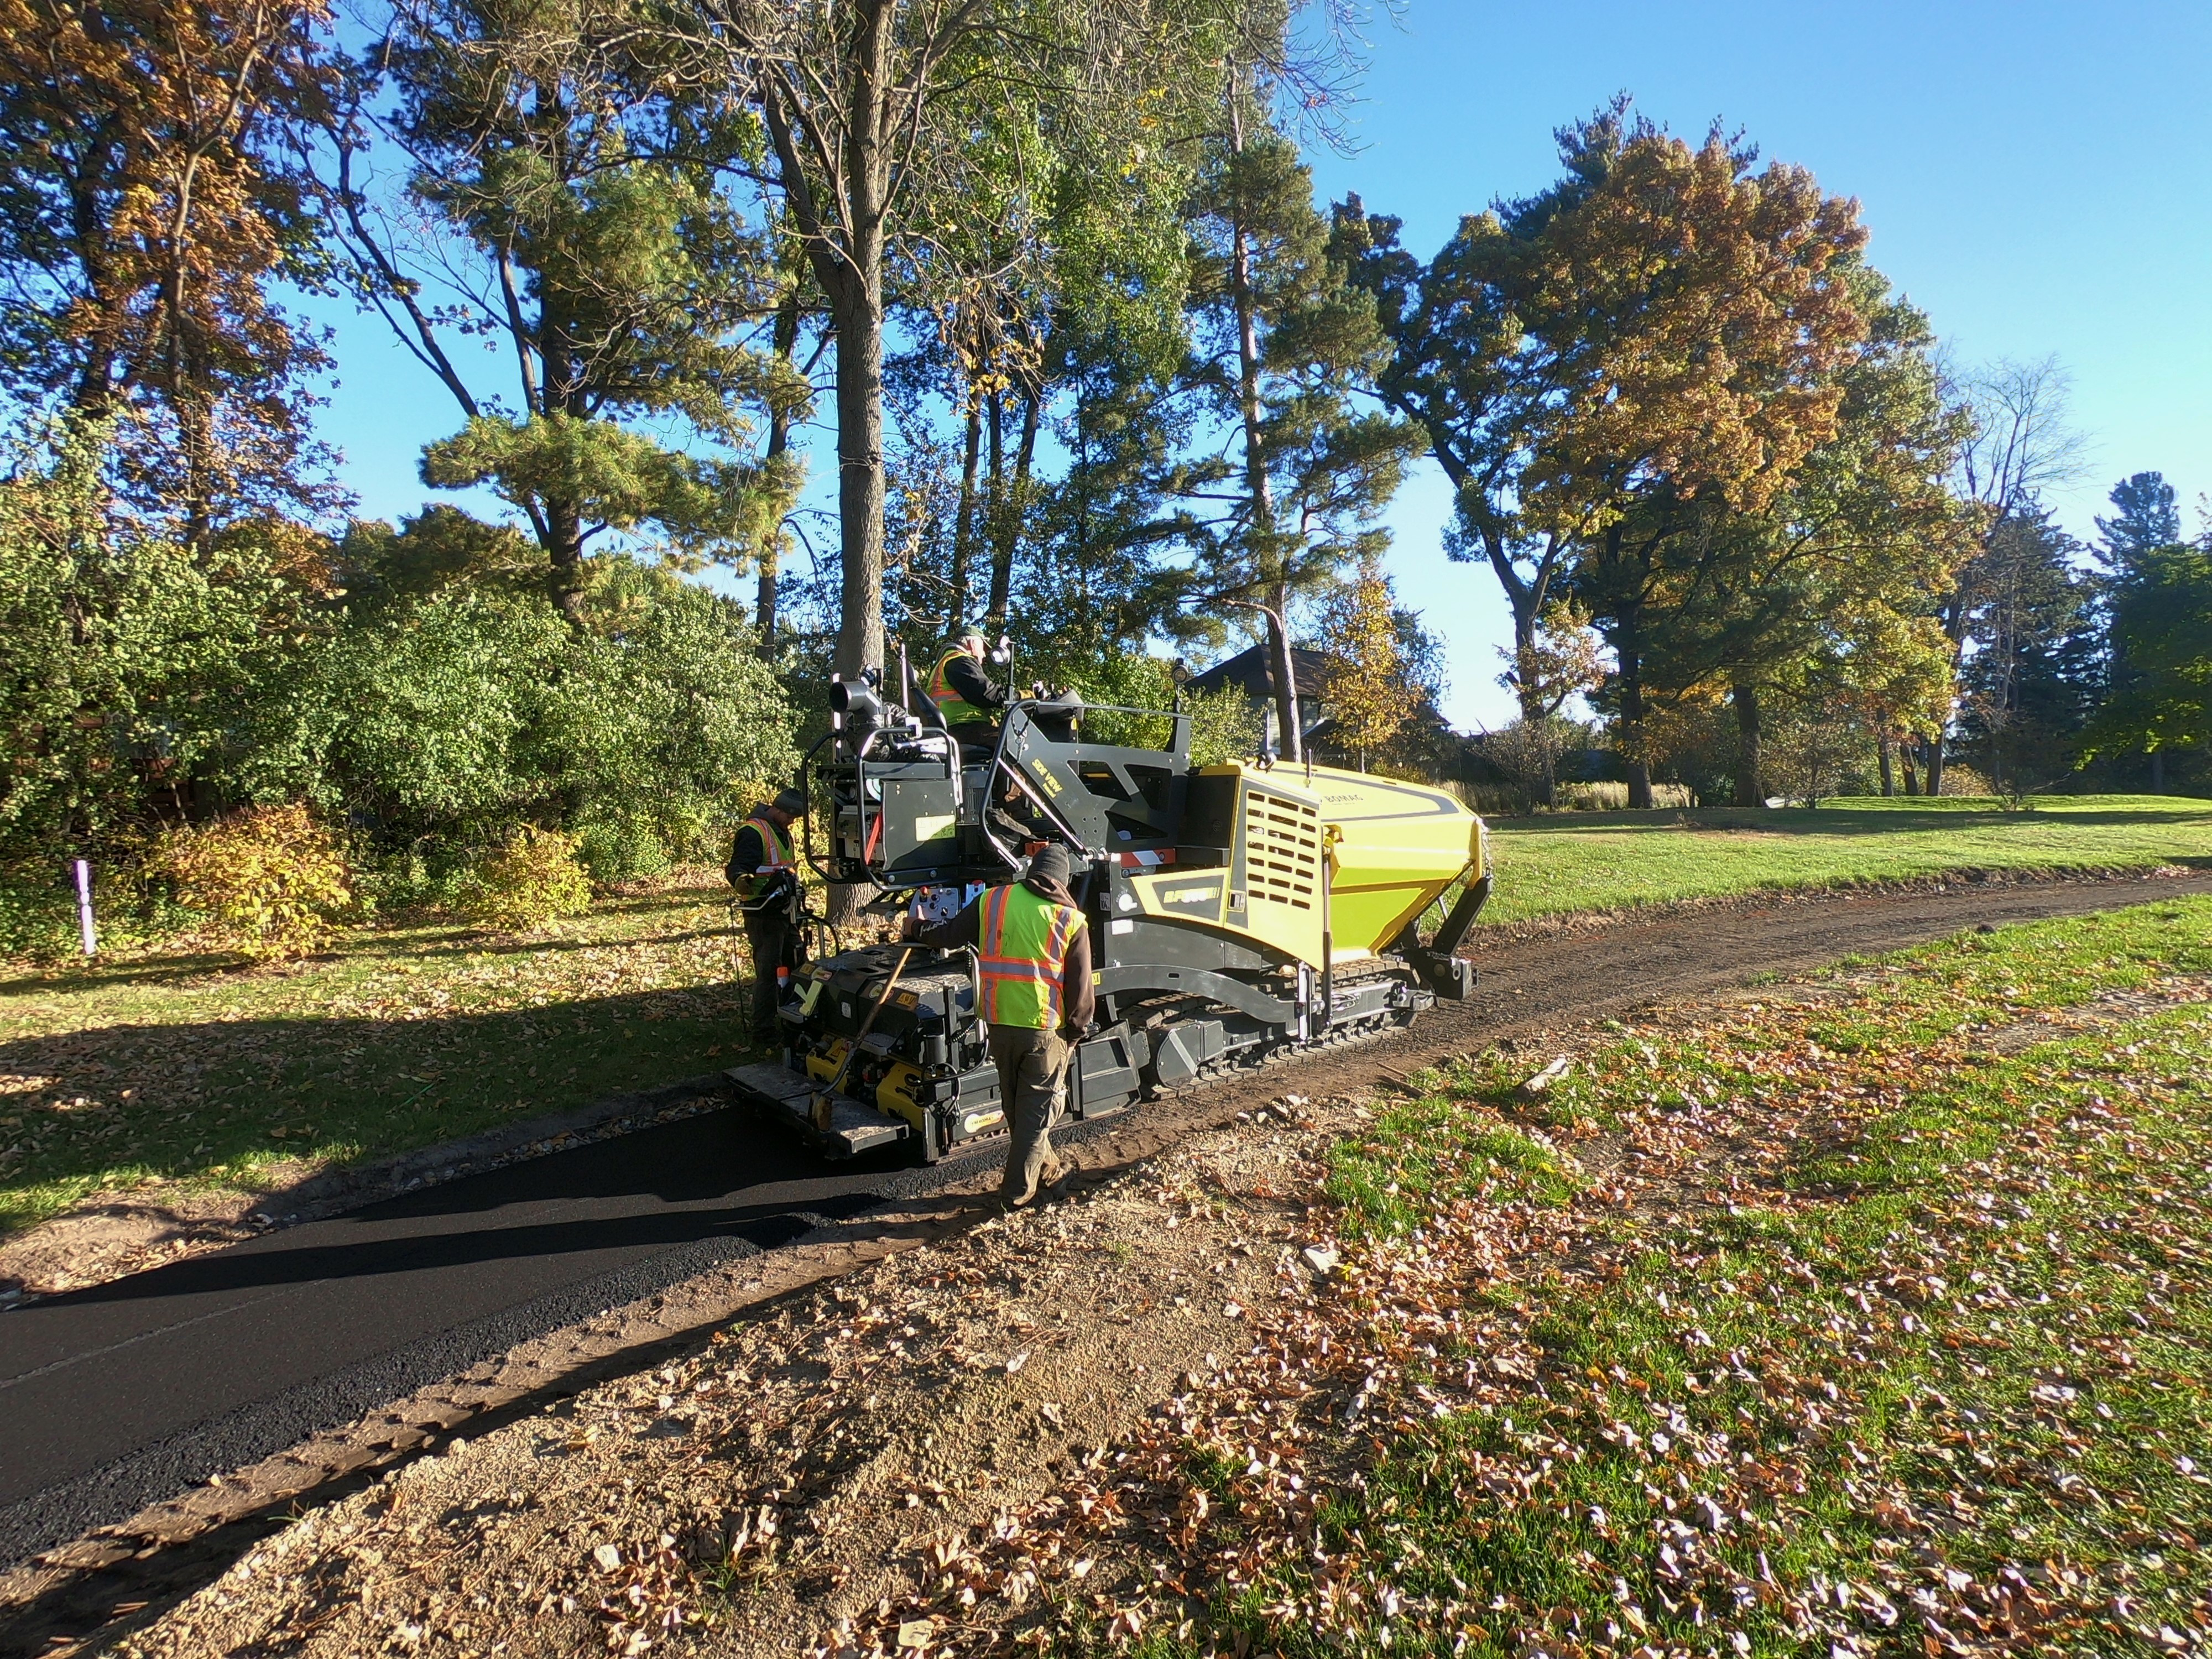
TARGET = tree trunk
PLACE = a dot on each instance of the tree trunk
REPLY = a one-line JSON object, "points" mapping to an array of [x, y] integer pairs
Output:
{"points": [[1258, 486], [1289, 705], [1932, 751], [1750, 785], [1886, 748], [1627, 651], [764, 598], [2158, 771], [785, 341], [1011, 504], [1906, 754], [846, 248], [964, 523], [564, 553], [861, 473]]}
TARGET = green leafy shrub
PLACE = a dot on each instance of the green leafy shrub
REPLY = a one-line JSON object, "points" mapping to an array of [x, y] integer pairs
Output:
{"points": [[415, 688], [1966, 782], [436, 725], [533, 879], [268, 882], [619, 850], [126, 659]]}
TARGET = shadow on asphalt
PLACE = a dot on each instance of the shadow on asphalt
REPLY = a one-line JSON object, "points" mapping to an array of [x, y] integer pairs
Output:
{"points": [[723, 1174]]}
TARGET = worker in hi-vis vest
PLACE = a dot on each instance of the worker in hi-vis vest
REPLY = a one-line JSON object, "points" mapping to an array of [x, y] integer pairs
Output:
{"points": [[964, 695], [764, 870], [1033, 949]]}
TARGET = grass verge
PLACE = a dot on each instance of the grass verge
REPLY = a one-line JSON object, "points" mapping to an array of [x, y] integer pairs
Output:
{"points": [[153, 1070], [1555, 865], [1873, 1321]]}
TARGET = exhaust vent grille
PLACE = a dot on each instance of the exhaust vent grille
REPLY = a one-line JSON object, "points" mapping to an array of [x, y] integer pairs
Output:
{"points": [[1282, 851]]}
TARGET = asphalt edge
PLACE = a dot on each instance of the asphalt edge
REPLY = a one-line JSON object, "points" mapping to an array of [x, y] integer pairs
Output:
{"points": [[347, 1187]]}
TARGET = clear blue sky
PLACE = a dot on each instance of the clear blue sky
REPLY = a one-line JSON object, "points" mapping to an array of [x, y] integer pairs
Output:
{"points": [[2037, 176]]}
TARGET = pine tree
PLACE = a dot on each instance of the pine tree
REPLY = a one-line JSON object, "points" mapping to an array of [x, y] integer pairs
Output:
{"points": [[2033, 677], [1282, 342], [2144, 523], [2145, 518], [577, 219]]}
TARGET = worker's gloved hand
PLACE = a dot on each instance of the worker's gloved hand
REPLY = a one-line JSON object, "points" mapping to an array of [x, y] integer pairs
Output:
{"points": [[909, 928]]}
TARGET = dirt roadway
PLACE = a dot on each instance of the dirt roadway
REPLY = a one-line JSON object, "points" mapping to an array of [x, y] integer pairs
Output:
{"points": [[1546, 980]]}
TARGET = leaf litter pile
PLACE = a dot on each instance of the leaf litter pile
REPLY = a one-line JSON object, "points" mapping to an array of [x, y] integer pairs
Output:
{"points": [[1870, 1318]]}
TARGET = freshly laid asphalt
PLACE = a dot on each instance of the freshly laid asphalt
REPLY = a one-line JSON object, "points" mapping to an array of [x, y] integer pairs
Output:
{"points": [[126, 1394]]}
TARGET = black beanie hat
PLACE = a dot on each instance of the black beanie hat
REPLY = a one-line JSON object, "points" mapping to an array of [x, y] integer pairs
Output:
{"points": [[1050, 865]]}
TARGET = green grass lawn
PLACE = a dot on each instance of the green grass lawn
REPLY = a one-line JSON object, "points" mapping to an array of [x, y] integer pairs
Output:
{"points": [[1892, 1333], [159, 1068], [1604, 860]]}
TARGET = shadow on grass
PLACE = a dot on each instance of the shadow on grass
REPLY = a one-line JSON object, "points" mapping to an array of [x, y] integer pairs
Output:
{"points": [[206, 1099], [439, 943]]}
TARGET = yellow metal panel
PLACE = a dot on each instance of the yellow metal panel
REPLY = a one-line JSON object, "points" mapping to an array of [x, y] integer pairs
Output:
{"points": [[1398, 846], [1199, 896], [896, 1093], [1392, 849]]}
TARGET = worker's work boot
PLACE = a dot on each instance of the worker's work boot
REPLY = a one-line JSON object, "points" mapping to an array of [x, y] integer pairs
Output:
{"points": [[1052, 1182]]}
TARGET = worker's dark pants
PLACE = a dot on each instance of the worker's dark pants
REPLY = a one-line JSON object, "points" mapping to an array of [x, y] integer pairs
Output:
{"points": [[1033, 1092], [775, 945]]}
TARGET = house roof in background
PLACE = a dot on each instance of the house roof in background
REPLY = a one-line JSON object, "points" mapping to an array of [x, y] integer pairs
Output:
{"points": [[1251, 672]]}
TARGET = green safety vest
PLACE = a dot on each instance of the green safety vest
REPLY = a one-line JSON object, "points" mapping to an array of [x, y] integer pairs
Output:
{"points": [[1023, 944], [955, 709], [775, 845]]}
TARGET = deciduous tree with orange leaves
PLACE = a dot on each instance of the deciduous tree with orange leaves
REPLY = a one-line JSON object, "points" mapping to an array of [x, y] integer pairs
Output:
{"points": [[1601, 367], [147, 204]]}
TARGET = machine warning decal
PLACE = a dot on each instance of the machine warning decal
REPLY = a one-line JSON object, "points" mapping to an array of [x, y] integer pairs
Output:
{"points": [[932, 826]]}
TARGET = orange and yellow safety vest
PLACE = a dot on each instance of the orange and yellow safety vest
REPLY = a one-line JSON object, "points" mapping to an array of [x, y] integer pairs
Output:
{"points": [[1023, 945], [775, 845], [955, 709]]}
